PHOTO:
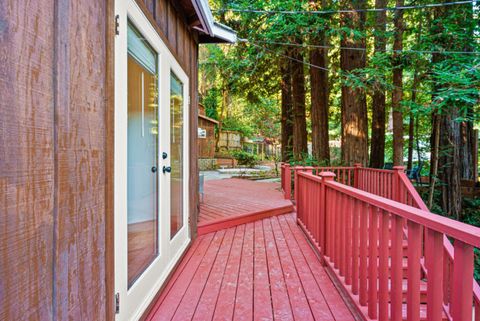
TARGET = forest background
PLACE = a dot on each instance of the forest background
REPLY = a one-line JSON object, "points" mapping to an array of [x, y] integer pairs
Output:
{"points": [[389, 81]]}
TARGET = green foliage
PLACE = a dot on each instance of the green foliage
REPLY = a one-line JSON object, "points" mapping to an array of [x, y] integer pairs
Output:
{"points": [[211, 103], [245, 158]]}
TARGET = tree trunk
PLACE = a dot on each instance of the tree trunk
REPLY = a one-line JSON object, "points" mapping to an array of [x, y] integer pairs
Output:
{"points": [[319, 108], [223, 110], [450, 140], [354, 105], [377, 148], [397, 95], [467, 148], [287, 110], [434, 143], [298, 91], [411, 125]]}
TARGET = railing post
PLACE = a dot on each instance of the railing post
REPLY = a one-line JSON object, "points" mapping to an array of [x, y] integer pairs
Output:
{"points": [[356, 175], [282, 176], [462, 289], [397, 187], [287, 192], [326, 177], [295, 181]]}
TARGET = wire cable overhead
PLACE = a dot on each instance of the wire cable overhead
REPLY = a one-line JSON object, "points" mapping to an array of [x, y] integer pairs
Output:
{"points": [[365, 49], [294, 12]]}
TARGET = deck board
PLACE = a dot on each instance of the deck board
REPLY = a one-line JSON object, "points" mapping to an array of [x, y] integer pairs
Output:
{"points": [[225, 306], [263, 270], [244, 299]]}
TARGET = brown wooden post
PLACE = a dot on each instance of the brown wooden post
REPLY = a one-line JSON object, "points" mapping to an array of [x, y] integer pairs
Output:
{"points": [[356, 174], [326, 177], [288, 182]]}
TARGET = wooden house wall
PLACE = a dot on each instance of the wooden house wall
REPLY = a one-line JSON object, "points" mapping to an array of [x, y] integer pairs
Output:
{"points": [[56, 147], [206, 146]]}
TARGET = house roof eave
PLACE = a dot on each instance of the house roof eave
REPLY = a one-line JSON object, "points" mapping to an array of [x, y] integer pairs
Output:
{"points": [[214, 32]]}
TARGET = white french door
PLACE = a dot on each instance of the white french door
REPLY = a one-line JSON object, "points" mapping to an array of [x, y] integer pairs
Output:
{"points": [[151, 161]]}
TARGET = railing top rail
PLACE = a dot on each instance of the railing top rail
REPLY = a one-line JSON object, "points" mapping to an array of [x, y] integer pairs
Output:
{"points": [[413, 193], [322, 167], [378, 170], [463, 232]]}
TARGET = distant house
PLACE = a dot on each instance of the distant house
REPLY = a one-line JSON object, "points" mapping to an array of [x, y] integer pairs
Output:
{"points": [[206, 134], [229, 140], [261, 146]]}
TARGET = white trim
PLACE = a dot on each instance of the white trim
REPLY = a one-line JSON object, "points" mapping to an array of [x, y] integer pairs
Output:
{"points": [[225, 33], [135, 300], [210, 27]]}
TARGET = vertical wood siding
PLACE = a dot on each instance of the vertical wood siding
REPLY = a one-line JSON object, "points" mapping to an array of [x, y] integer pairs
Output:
{"points": [[52, 170], [55, 194], [80, 160], [26, 160]]}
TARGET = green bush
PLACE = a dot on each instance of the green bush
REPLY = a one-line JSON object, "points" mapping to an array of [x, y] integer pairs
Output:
{"points": [[245, 158]]}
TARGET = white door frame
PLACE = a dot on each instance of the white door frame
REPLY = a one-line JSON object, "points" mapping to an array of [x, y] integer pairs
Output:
{"points": [[135, 300]]}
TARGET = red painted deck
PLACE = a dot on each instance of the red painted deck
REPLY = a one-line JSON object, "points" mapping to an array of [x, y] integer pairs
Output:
{"points": [[231, 202], [262, 270]]}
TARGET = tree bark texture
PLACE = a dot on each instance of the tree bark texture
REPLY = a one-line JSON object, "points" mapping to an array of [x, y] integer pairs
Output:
{"points": [[287, 110], [319, 108], [449, 160], [300, 123], [377, 147], [354, 105], [397, 95]]}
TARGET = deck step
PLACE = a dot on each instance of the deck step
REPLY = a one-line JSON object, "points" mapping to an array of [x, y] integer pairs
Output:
{"points": [[227, 222]]}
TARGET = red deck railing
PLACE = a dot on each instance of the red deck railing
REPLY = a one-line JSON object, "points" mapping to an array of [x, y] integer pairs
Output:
{"points": [[366, 239]]}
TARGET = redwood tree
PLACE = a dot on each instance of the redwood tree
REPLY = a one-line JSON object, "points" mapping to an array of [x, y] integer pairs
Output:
{"points": [[397, 95], [354, 105], [298, 92], [377, 148], [319, 95], [287, 110]]}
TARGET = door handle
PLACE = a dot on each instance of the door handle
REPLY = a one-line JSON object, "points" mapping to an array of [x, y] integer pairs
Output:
{"points": [[154, 169], [167, 169]]}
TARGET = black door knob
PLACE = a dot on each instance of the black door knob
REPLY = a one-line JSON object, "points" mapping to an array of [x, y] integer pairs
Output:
{"points": [[164, 155], [167, 169], [154, 169]]}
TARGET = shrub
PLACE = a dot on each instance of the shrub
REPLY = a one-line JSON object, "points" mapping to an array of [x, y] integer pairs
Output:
{"points": [[245, 158]]}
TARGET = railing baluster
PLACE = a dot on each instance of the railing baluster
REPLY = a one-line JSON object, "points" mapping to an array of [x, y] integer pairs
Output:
{"points": [[337, 230], [462, 296], [363, 254], [435, 275], [348, 241], [342, 235], [383, 273], [328, 218], [372, 262], [396, 268], [355, 248], [477, 311], [414, 253]]}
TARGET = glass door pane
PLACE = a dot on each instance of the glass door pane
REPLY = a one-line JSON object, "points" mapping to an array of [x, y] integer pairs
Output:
{"points": [[176, 152], [142, 163]]}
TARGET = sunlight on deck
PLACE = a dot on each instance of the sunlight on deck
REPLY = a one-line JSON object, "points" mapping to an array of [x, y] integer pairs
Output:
{"points": [[263, 270]]}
